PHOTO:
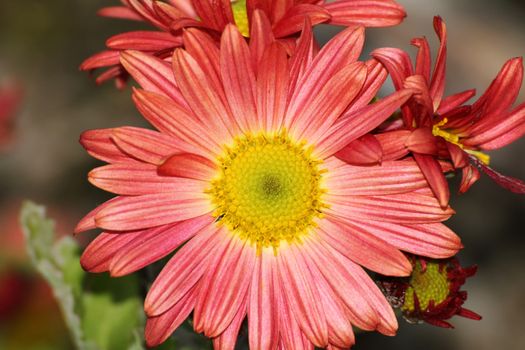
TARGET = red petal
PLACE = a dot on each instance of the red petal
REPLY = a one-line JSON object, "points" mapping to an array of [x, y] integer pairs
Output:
{"points": [[368, 13]]}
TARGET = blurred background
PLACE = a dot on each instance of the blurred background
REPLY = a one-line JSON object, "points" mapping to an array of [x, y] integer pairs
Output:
{"points": [[42, 44]]}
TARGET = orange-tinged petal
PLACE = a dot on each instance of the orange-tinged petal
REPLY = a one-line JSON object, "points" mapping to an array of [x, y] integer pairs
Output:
{"points": [[434, 175], [365, 150]]}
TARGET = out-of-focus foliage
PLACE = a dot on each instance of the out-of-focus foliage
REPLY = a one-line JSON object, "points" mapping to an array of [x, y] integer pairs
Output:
{"points": [[101, 313]]}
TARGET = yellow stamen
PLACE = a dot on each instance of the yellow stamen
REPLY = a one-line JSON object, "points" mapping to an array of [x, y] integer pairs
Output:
{"points": [[240, 14], [268, 189], [437, 130]]}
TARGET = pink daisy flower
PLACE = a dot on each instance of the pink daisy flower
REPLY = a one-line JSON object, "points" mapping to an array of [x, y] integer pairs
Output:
{"points": [[241, 180], [283, 18]]}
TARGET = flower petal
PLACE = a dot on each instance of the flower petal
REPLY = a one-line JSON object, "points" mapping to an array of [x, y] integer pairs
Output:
{"points": [[238, 77], [368, 13], [405, 208], [358, 245], [160, 328], [140, 179], [365, 150], [353, 125], [224, 288], [184, 270], [301, 295], [186, 165], [155, 244], [153, 74], [138, 212]]}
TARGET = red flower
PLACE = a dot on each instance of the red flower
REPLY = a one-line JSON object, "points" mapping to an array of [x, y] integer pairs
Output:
{"points": [[241, 181], [432, 293], [446, 128], [283, 18]]}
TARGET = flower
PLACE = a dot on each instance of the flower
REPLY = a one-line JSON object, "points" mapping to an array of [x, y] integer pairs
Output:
{"points": [[283, 19], [241, 180], [432, 293], [447, 128]]}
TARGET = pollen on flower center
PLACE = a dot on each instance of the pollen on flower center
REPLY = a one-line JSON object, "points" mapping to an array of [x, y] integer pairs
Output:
{"points": [[240, 15], [268, 189]]}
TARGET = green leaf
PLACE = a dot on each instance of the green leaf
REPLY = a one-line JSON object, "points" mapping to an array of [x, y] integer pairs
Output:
{"points": [[101, 313]]}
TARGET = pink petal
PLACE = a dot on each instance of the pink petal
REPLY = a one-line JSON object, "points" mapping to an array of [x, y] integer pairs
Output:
{"points": [[145, 145], [184, 270], [375, 79], [312, 120], [160, 328], [291, 335], [228, 338], [388, 178], [263, 320], [204, 94], [405, 208], [101, 59], [338, 53], [153, 74], [138, 212], [369, 308], [139, 179], [99, 145], [204, 49], [154, 244], [302, 56], [301, 295], [224, 288], [360, 246], [272, 87], [188, 133], [98, 254], [120, 12], [292, 21], [261, 36], [238, 77], [433, 240], [88, 221], [217, 14], [368, 13], [143, 41], [353, 125]]}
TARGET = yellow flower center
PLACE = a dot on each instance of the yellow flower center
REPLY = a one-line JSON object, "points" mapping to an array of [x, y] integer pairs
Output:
{"points": [[438, 130], [268, 189], [430, 284], [240, 14]]}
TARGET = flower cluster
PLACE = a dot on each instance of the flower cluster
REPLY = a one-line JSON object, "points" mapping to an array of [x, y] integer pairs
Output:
{"points": [[276, 174]]}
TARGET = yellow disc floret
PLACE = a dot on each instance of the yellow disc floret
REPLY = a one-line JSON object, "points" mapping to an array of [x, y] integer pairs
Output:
{"points": [[240, 15], [268, 189], [430, 284]]}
